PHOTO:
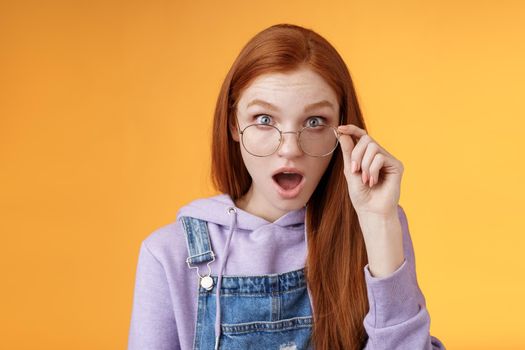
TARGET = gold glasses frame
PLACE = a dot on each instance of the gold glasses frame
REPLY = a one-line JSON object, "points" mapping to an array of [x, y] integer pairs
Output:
{"points": [[298, 133]]}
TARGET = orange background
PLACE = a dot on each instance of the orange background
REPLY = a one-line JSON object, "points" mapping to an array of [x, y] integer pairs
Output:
{"points": [[105, 119]]}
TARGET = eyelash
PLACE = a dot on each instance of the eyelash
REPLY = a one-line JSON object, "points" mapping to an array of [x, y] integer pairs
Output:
{"points": [[323, 120]]}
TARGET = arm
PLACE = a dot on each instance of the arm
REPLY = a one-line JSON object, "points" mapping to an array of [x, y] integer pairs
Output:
{"points": [[398, 317], [153, 324]]}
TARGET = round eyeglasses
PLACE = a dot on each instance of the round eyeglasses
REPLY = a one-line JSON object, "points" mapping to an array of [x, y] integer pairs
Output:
{"points": [[262, 140]]}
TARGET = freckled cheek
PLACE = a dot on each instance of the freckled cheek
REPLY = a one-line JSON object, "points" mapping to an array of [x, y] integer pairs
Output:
{"points": [[258, 168]]}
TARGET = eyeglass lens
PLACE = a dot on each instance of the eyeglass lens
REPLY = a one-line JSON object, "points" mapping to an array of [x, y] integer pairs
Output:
{"points": [[263, 140]]}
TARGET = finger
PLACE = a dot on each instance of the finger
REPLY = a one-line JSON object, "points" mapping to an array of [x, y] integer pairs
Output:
{"points": [[347, 145], [352, 130], [375, 167], [370, 152], [359, 150]]}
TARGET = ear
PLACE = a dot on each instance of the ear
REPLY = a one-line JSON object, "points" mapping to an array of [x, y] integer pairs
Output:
{"points": [[234, 131]]}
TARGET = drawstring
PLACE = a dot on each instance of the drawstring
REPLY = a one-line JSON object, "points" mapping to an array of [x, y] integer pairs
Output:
{"points": [[233, 212]]}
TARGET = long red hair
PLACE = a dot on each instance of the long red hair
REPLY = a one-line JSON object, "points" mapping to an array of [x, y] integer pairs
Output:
{"points": [[336, 249]]}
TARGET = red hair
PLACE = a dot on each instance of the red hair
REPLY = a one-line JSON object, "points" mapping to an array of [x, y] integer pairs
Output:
{"points": [[336, 249]]}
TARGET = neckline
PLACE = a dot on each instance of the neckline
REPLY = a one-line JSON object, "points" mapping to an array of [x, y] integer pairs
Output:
{"points": [[292, 217]]}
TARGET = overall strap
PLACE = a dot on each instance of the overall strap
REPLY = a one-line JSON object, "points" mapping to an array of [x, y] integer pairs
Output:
{"points": [[198, 241]]}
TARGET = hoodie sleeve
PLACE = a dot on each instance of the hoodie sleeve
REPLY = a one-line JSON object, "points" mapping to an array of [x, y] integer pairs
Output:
{"points": [[398, 317], [153, 324]]}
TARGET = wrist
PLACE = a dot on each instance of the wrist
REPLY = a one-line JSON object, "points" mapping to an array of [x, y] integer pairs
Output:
{"points": [[383, 236]]}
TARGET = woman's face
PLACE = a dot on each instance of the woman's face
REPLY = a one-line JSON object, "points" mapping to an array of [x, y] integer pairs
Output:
{"points": [[288, 101]]}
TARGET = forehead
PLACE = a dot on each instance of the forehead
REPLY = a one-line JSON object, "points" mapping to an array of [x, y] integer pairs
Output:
{"points": [[302, 86]]}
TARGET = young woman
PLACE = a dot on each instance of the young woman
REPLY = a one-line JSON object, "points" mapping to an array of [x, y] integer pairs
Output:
{"points": [[306, 246]]}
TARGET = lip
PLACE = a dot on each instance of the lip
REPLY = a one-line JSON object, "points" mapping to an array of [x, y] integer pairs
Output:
{"points": [[288, 170], [290, 194]]}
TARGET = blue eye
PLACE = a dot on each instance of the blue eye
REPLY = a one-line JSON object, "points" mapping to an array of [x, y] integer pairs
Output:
{"points": [[320, 121], [264, 118]]}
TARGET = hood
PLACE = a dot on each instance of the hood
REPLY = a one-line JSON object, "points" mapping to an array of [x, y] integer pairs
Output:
{"points": [[215, 209]]}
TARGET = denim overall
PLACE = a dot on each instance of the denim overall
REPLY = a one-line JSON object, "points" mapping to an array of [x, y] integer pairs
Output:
{"points": [[246, 312]]}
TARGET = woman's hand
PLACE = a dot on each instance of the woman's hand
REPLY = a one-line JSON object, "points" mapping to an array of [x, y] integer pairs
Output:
{"points": [[373, 175], [374, 180]]}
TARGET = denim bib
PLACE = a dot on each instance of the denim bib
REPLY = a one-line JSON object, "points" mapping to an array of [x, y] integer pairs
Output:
{"points": [[256, 312]]}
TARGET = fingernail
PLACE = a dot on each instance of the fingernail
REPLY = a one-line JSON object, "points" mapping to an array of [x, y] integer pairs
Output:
{"points": [[371, 181], [354, 166]]}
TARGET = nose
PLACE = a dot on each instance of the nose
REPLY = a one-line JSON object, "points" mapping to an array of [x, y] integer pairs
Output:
{"points": [[290, 147]]}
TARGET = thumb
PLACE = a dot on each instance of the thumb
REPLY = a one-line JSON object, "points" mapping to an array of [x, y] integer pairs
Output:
{"points": [[347, 146]]}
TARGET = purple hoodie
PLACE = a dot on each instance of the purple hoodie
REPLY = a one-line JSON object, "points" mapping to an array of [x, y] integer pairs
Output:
{"points": [[165, 297]]}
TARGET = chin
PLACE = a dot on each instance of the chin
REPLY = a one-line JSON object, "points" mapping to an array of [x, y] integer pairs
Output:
{"points": [[290, 204]]}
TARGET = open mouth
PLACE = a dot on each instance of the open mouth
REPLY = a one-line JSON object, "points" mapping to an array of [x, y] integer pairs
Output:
{"points": [[288, 181]]}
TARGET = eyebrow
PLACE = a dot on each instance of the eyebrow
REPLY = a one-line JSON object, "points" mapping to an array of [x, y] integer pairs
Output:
{"points": [[308, 108]]}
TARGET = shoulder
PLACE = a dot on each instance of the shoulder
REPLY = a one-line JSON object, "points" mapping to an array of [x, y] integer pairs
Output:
{"points": [[167, 244], [163, 237]]}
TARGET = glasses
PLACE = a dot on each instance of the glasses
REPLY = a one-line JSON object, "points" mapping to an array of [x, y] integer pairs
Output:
{"points": [[262, 140]]}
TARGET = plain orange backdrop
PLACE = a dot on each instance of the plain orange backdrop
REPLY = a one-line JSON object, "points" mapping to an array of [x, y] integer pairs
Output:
{"points": [[105, 118]]}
